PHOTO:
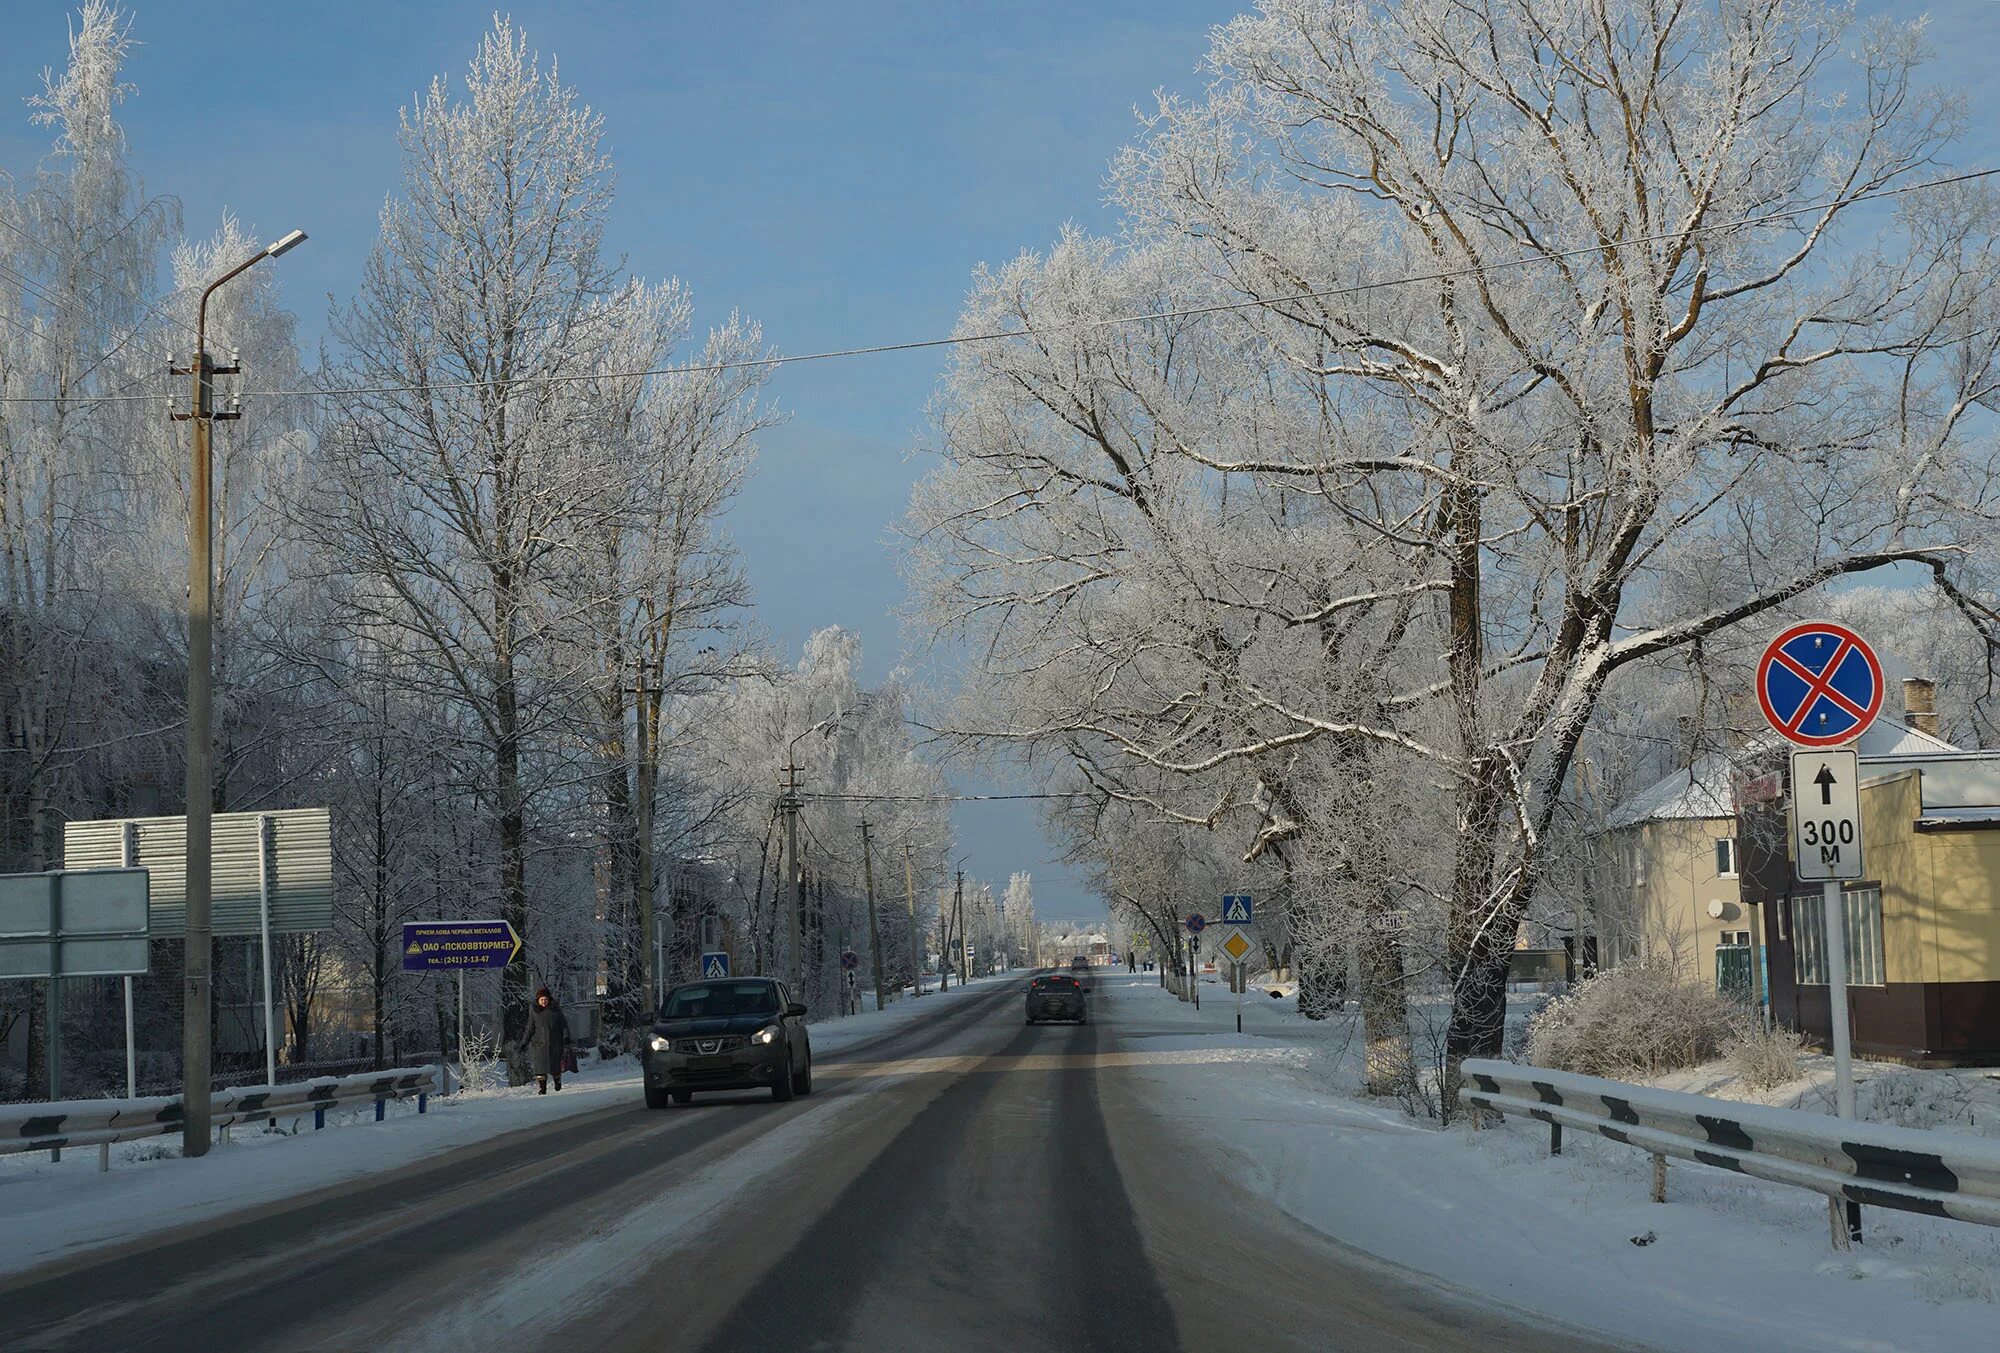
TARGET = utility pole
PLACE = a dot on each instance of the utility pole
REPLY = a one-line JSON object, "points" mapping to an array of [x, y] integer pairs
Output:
{"points": [[944, 944], [874, 932], [651, 950], [200, 940], [910, 898], [791, 802], [958, 924]]}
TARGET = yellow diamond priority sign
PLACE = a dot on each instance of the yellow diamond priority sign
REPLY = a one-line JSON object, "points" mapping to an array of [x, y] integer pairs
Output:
{"points": [[1236, 946]]}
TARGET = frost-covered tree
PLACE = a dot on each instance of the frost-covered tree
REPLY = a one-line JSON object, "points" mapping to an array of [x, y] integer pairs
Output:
{"points": [[1586, 332], [468, 471], [79, 240]]}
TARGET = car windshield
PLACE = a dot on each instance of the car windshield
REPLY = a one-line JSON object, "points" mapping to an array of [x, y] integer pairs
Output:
{"points": [[713, 999], [1054, 984]]}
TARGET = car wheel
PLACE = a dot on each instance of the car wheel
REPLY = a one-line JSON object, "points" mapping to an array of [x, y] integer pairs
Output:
{"points": [[683, 1096], [781, 1084], [804, 1084], [656, 1099]]}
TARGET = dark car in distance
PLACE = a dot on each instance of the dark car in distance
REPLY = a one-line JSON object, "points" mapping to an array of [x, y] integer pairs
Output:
{"points": [[1080, 969], [1057, 996], [736, 1033]]}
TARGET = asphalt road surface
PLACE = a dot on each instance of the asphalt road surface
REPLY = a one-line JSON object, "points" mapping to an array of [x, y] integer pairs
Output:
{"points": [[962, 1183]]}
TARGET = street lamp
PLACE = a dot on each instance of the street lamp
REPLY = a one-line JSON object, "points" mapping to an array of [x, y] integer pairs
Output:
{"points": [[200, 746]]}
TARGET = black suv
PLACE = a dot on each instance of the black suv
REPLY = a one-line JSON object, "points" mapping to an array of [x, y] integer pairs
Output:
{"points": [[739, 1033], [1056, 997]]}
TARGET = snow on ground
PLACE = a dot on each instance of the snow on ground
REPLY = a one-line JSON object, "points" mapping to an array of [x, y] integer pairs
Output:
{"points": [[50, 1210], [1727, 1264]]}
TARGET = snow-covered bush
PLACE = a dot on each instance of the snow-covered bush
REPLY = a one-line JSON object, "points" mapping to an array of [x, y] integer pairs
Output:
{"points": [[1920, 1099], [1764, 1059], [476, 1064], [1642, 1018]]}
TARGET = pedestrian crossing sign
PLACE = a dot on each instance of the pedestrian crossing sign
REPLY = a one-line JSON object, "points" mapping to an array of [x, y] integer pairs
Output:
{"points": [[714, 965], [1236, 909], [1236, 946]]}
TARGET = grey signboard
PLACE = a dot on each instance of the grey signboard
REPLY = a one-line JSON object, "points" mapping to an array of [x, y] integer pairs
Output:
{"points": [[74, 923], [294, 854]]}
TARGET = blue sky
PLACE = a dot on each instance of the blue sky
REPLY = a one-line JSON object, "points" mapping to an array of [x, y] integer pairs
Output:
{"points": [[833, 170]]}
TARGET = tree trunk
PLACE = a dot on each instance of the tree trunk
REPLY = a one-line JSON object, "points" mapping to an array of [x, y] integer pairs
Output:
{"points": [[513, 843], [1385, 1020]]}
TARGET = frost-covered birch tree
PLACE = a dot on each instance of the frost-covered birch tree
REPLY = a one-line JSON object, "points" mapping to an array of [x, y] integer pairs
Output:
{"points": [[458, 480]]}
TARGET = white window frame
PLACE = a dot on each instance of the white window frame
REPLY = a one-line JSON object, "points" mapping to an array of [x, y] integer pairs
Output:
{"points": [[1862, 910], [1725, 846]]}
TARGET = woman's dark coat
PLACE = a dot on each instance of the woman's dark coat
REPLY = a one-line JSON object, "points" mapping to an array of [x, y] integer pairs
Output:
{"points": [[548, 1035]]}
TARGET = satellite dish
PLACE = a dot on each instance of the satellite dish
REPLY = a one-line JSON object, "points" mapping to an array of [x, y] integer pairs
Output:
{"points": [[1716, 907]]}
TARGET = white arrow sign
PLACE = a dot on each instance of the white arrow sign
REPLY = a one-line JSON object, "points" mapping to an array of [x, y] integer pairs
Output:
{"points": [[1826, 815]]}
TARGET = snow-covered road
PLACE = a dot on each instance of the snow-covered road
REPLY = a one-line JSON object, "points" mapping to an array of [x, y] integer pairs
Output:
{"points": [[960, 1180]]}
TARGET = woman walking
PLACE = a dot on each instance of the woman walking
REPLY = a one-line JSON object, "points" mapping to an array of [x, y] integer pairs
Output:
{"points": [[548, 1040]]}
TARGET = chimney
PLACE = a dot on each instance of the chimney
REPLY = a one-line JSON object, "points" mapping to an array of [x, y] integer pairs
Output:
{"points": [[1920, 704]]}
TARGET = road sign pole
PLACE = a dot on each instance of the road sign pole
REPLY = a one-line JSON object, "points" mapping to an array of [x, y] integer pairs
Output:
{"points": [[1241, 982], [127, 840], [1836, 987], [131, 1052], [264, 930], [52, 1045], [461, 1026], [1843, 1056]]}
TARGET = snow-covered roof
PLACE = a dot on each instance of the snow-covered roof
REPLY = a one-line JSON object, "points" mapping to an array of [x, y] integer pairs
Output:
{"points": [[1959, 819], [1702, 790]]}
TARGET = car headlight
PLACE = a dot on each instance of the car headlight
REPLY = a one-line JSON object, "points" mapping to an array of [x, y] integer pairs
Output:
{"points": [[767, 1034], [662, 1044]]}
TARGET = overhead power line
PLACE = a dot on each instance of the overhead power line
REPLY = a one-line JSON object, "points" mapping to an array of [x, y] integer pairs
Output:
{"points": [[1107, 322], [831, 797]]}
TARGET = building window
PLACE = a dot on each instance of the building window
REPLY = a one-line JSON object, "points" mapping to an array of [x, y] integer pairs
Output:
{"points": [[1725, 857], [1863, 910], [1635, 860], [1732, 963]]}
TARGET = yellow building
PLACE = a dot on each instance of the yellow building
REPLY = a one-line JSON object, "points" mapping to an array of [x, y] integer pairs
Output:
{"points": [[1922, 928], [1671, 885]]}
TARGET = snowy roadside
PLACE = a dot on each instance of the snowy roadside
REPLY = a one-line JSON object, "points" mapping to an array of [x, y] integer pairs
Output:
{"points": [[1728, 1263], [50, 1210]]}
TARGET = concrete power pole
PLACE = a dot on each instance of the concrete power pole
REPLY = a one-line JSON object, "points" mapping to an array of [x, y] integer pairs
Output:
{"points": [[200, 940], [910, 899], [958, 924], [874, 931], [798, 879]]}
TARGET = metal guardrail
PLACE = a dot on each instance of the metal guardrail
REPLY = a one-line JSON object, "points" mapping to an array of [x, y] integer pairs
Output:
{"points": [[1873, 1163], [99, 1122]]}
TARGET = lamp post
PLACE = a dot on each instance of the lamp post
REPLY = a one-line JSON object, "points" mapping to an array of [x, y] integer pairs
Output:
{"points": [[200, 747]]}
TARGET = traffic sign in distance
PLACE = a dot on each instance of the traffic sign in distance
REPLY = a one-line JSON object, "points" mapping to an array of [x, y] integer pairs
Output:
{"points": [[1820, 684], [1195, 922], [1236, 947], [1237, 910], [714, 965], [850, 960], [446, 946], [1826, 815]]}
